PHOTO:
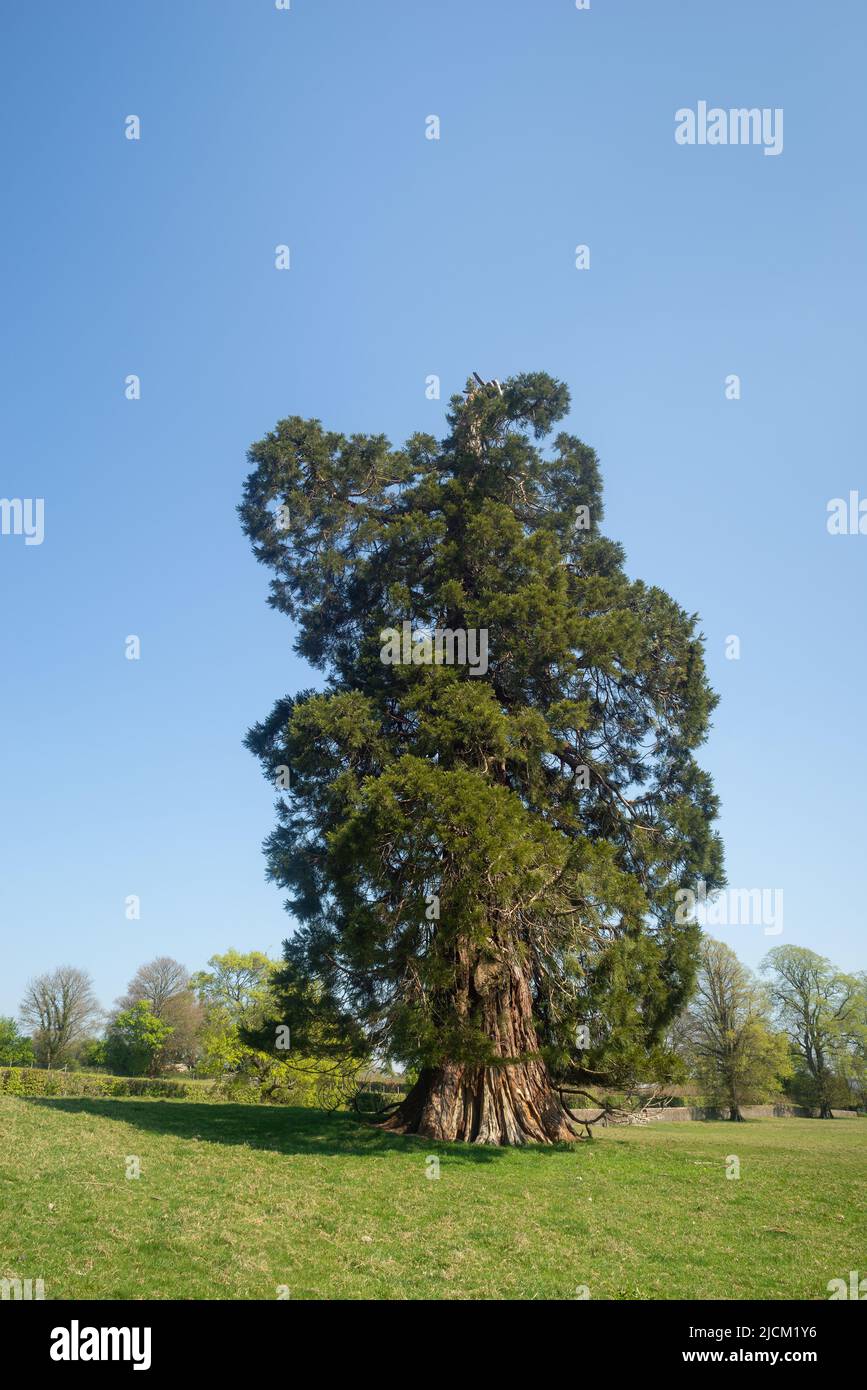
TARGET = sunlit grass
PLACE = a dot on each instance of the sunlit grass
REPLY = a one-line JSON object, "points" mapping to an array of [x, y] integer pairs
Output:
{"points": [[235, 1201]]}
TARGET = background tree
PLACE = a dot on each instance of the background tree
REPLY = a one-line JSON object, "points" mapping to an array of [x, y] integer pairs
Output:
{"points": [[239, 1036], [92, 1054], [165, 985], [822, 1012], [136, 1040], [853, 1060], [185, 1017], [61, 1008], [16, 1050], [727, 1036], [157, 981], [483, 865], [237, 981], [234, 992]]}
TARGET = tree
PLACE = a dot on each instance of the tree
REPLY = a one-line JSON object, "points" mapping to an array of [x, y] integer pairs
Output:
{"points": [[822, 1012], [60, 1007], [165, 984], [233, 993], [136, 1038], [185, 1017], [16, 1050], [726, 1033], [237, 981], [157, 981], [482, 843], [853, 1060], [92, 1054], [239, 1036]]}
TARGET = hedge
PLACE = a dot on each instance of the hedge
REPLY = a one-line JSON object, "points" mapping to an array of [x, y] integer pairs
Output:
{"points": [[28, 1081], [300, 1090]]}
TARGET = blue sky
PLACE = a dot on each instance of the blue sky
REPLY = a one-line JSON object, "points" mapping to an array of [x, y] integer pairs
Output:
{"points": [[410, 257]]}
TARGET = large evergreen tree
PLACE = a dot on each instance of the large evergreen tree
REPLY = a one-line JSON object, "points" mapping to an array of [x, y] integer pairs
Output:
{"points": [[482, 863]]}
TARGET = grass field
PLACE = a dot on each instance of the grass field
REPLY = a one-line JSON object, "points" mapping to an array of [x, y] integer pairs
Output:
{"points": [[234, 1201]]}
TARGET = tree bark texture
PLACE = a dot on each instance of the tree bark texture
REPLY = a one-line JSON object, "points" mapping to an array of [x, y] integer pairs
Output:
{"points": [[508, 1101]]}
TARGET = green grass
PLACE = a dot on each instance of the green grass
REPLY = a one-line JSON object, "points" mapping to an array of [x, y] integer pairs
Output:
{"points": [[235, 1200]]}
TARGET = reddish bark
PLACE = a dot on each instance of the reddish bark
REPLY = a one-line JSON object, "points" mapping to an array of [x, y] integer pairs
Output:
{"points": [[509, 1101]]}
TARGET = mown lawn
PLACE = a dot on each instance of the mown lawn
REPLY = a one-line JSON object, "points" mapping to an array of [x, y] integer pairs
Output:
{"points": [[235, 1201]]}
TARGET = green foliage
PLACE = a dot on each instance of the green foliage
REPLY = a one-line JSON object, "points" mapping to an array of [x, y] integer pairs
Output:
{"points": [[822, 1094], [16, 1050], [262, 1078], [92, 1054], [234, 991], [135, 1040], [17, 1081], [236, 994], [726, 1034], [550, 807], [824, 1014], [236, 981]]}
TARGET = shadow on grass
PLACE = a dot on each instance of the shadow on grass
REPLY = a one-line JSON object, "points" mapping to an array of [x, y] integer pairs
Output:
{"points": [[285, 1129]]}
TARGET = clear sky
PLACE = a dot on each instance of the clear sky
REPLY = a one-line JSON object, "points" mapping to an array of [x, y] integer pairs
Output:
{"points": [[410, 257]]}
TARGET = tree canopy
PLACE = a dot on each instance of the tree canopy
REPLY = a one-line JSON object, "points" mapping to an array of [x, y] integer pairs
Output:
{"points": [[135, 1040], [16, 1050], [727, 1036], [824, 1013], [60, 1007]]}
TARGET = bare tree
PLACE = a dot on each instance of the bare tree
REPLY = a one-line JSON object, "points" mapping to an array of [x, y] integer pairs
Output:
{"points": [[185, 1015], [157, 981], [61, 1008]]}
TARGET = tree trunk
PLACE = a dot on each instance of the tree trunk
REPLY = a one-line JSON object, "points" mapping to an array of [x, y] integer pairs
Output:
{"points": [[825, 1111], [735, 1112], [508, 1101]]}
